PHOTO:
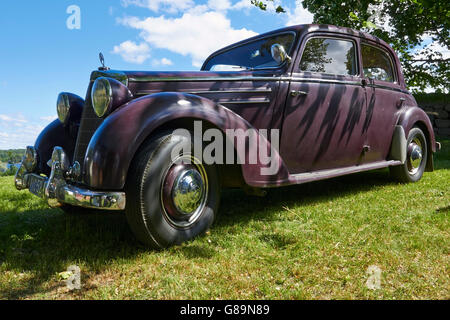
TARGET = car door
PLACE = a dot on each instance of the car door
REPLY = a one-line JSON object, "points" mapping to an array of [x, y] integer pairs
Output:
{"points": [[325, 108], [384, 98]]}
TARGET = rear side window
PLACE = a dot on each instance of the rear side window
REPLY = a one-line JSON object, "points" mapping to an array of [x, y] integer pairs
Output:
{"points": [[327, 55], [376, 63]]}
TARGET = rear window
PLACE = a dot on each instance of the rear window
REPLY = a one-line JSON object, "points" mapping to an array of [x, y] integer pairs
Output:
{"points": [[376, 63], [327, 55]]}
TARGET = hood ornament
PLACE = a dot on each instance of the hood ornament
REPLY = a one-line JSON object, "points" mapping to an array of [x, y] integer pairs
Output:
{"points": [[102, 61]]}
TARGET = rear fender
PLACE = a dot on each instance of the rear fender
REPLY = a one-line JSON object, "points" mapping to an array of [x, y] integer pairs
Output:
{"points": [[410, 117]]}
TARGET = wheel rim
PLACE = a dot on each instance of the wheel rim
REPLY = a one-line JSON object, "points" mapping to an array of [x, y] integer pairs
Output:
{"points": [[415, 155], [184, 191]]}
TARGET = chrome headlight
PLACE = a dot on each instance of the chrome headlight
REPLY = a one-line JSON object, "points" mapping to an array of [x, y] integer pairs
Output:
{"points": [[63, 107], [101, 96], [69, 107]]}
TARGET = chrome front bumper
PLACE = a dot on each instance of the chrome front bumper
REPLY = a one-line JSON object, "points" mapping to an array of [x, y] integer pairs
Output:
{"points": [[56, 190]]}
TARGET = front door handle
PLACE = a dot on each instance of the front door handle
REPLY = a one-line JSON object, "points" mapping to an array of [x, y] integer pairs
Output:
{"points": [[297, 93]]}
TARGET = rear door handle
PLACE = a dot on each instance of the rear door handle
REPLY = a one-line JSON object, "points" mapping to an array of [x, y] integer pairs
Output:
{"points": [[297, 93]]}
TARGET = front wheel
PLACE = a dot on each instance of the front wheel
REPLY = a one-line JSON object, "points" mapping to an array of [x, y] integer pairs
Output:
{"points": [[171, 197], [416, 158]]}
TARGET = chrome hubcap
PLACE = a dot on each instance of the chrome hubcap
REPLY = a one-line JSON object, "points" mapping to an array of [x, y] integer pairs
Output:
{"points": [[415, 156], [187, 191], [184, 192]]}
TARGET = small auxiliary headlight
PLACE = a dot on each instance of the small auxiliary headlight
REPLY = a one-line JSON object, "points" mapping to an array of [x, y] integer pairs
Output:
{"points": [[63, 107], [101, 96]]}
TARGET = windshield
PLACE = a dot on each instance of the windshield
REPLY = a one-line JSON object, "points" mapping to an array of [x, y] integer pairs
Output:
{"points": [[253, 55]]}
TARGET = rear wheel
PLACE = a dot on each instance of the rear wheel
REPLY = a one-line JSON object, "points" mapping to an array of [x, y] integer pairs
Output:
{"points": [[171, 198], [416, 158]]}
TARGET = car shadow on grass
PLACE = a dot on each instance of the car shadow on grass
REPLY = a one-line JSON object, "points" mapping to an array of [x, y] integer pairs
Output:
{"points": [[43, 243], [237, 205]]}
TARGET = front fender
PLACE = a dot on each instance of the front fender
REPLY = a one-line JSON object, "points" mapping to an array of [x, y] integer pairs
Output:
{"points": [[114, 144], [55, 134]]}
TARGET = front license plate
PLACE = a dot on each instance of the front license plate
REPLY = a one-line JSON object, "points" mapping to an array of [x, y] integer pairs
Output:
{"points": [[37, 185]]}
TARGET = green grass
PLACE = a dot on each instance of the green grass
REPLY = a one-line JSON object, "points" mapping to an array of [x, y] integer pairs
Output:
{"points": [[312, 241]]}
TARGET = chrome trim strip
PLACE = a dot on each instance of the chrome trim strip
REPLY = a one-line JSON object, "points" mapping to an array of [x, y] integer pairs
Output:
{"points": [[267, 79], [335, 81], [232, 91], [243, 101], [330, 173], [379, 86], [319, 80], [438, 146], [145, 92], [203, 79]]}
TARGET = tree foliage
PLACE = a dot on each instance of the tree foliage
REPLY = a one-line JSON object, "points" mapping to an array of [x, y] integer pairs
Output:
{"points": [[416, 29], [263, 5], [11, 156]]}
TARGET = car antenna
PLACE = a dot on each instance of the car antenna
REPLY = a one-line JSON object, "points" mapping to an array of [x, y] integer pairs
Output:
{"points": [[102, 61]]}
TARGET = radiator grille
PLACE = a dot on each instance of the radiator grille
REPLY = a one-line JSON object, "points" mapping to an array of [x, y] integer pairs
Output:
{"points": [[88, 124]]}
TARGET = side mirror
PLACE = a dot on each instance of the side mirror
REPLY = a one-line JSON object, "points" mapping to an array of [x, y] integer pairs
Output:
{"points": [[279, 54]]}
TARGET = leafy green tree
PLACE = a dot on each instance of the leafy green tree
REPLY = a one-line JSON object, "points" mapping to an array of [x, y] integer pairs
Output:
{"points": [[404, 24], [263, 5]]}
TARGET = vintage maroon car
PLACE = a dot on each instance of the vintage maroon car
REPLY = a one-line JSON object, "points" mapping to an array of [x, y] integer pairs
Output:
{"points": [[323, 101]]}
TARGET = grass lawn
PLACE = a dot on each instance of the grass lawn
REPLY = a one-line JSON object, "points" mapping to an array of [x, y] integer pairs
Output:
{"points": [[312, 241]]}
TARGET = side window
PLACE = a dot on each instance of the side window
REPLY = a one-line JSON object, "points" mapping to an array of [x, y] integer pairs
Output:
{"points": [[326, 55], [376, 63]]}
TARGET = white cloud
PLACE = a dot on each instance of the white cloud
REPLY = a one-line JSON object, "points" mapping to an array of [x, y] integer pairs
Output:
{"points": [[4, 117], [162, 62], [434, 46], [299, 15], [19, 118], [49, 118], [194, 35], [11, 137], [243, 4], [219, 5], [171, 6], [132, 52]]}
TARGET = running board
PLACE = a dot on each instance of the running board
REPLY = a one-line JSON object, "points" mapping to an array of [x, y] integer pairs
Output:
{"points": [[332, 173]]}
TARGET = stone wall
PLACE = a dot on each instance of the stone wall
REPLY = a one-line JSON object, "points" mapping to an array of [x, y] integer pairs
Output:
{"points": [[437, 107]]}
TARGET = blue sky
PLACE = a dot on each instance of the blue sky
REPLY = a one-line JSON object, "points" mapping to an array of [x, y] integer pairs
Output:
{"points": [[40, 56]]}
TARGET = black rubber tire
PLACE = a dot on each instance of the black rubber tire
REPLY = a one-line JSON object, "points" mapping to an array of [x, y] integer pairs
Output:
{"points": [[144, 208], [401, 172]]}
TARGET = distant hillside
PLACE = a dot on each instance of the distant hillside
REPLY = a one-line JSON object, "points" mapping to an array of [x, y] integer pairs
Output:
{"points": [[12, 155]]}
